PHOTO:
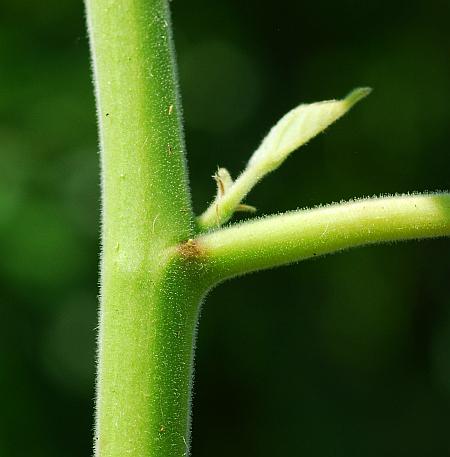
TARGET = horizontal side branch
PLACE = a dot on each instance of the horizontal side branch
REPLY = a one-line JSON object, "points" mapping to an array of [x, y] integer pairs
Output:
{"points": [[290, 237]]}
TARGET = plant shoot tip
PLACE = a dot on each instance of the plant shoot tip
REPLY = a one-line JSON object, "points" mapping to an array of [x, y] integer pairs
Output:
{"points": [[357, 94]]}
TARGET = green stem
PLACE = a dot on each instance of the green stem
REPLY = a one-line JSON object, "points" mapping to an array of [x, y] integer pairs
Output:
{"points": [[294, 236], [152, 279], [148, 308]]}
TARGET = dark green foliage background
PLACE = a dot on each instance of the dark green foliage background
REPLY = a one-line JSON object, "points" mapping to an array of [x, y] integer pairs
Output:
{"points": [[346, 356]]}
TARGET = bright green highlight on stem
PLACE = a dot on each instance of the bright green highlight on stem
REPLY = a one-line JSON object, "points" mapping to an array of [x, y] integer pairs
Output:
{"points": [[298, 235], [293, 130]]}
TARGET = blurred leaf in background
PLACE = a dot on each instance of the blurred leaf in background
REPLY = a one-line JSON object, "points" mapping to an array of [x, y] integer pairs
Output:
{"points": [[345, 356]]}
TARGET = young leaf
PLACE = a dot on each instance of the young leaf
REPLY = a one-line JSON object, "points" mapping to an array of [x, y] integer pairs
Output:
{"points": [[293, 130], [298, 126]]}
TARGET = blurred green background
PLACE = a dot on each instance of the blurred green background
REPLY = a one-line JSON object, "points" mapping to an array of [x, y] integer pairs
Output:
{"points": [[345, 356]]}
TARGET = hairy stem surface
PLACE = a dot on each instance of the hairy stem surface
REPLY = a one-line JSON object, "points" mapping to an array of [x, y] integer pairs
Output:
{"points": [[148, 306], [290, 237], [153, 271]]}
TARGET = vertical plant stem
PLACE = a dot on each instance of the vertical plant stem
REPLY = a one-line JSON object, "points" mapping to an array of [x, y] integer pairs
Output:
{"points": [[153, 274], [148, 308]]}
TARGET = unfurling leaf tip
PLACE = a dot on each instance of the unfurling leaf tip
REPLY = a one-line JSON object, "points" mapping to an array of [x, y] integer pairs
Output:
{"points": [[357, 95]]}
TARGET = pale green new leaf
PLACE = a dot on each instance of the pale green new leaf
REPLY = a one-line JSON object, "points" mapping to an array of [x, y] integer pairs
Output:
{"points": [[298, 126], [293, 130]]}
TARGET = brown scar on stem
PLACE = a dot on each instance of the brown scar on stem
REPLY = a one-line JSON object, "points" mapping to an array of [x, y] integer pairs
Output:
{"points": [[190, 249], [169, 147], [170, 109]]}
